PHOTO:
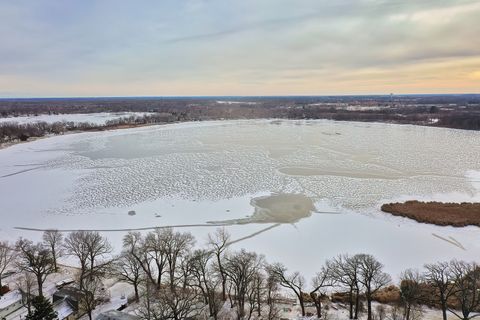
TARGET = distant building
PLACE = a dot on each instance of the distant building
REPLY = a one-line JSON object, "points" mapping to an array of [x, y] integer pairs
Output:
{"points": [[116, 315], [9, 303]]}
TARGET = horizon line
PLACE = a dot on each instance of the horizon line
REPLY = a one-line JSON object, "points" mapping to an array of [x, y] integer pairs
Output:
{"points": [[239, 96]]}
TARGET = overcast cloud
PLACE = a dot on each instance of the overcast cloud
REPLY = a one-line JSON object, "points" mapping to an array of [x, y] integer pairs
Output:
{"points": [[248, 47]]}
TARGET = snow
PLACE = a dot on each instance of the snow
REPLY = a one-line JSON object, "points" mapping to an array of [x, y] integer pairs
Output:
{"points": [[10, 298], [63, 309], [114, 314], [188, 174], [95, 118], [19, 314], [118, 293], [237, 102]]}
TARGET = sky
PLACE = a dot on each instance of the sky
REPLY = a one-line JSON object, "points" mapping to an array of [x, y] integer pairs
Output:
{"points": [[51, 48]]}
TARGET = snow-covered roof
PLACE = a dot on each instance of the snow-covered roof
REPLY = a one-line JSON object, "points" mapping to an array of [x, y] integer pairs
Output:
{"points": [[116, 315], [10, 298], [70, 293], [63, 309]]}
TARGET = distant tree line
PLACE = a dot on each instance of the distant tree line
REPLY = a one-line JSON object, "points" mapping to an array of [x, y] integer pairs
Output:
{"points": [[13, 131], [174, 279], [461, 112], [32, 106]]}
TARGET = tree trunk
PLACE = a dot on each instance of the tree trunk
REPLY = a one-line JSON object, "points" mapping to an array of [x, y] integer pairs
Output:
{"points": [[148, 300], [369, 308], [224, 278], [172, 280], [259, 300], [92, 265], [224, 289], [159, 280], [241, 309], [318, 306], [357, 303], [302, 304], [230, 297], [54, 256], [444, 308], [407, 312], [29, 306], [137, 296], [317, 302], [350, 297], [83, 267], [40, 285], [211, 303]]}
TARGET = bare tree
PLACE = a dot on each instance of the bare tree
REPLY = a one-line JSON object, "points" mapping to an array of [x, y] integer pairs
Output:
{"points": [[322, 280], [344, 270], [147, 299], [440, 278], [180, 304], [128, 269], [53, 239], [147, 252], [259, 288], [90, 290], [175, 305], [177, 246], [372, 278], [218, 242], [206, 280], [161, 251], [411, 291], [185, 272], [241, 268], [98, 247], [294, 282], [35, 259], [7, 258], [26, 286], [381, 312], [395, 313], [253, 295], [272, 296], [466, 277], [156, 252], [88, 247], [75, 244]]}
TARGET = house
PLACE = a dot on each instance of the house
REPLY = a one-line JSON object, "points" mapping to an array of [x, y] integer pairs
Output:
{"points": [[68, 302], [9, 303], [116, 315], [64, 310]]}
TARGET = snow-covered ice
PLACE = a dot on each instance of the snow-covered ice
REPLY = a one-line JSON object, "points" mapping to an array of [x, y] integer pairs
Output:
{"points": [[191, 173]]}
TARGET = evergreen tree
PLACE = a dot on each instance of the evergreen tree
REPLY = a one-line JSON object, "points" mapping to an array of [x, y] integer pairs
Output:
{"points": [[43, 310]]}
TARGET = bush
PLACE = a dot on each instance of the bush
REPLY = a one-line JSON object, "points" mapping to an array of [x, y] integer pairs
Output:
{"points": [[3, 290]]}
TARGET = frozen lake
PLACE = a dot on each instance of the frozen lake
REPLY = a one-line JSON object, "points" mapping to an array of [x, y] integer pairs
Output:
{"points": [[96, 118], [297, 191]]}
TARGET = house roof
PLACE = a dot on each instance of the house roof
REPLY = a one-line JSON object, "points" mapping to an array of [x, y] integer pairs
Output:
{"points": [[10, 298], [70, 293], [116, 315], [63, 309]]}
